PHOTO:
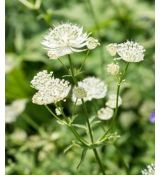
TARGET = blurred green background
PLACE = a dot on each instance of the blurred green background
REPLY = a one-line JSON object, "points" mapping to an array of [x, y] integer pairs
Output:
{"points": [[35, 142]]}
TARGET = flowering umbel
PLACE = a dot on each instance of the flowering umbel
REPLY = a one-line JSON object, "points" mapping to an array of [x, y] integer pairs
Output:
{"points": [[94, 87], [131, 51], [67, 38], [50, 89], [128, 51]]}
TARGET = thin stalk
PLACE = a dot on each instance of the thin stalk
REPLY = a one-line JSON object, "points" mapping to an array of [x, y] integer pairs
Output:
{"points": [[74, 107], [82, 65], [87, 120], [52, 113], [92, 139], [65, 67], [117, 95], [76, 134], [72, 70]]}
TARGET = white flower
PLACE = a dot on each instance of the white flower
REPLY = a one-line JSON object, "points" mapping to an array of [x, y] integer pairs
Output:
{"points": [[79, 92], [112, 49], [41, 79], [14, 109], [65, 39], [50, 89], [113, 69], [150, 170], [112, 101], [131, 51], [92, 43], [94, 87], [105, 113]]}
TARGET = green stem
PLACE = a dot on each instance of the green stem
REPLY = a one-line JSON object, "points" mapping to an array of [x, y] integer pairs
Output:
{"points": [[87, 120], [72, 70], [118, 90], [92, 139], [52, 113], [65, 67], [69, 126], [117, 95], [82, 65]]}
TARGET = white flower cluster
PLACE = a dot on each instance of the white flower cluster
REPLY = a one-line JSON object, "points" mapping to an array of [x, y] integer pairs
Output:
{"points": [[150, 170], [50, 89], [67, 38], [14, 109], [107, 112], [94, 88], [112, 69], [128, 51]]}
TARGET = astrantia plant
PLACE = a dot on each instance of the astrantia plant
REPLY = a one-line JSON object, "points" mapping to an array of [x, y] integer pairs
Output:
{"points": [[63, 40]]}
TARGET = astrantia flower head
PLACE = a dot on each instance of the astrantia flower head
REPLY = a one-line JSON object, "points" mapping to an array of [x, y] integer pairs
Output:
{"points": [[65, 39], [130, 51], [112, 101], [112, 69], [105, 113], [150, 170], [79, 92], [50, 89], [92, 43], [112, 49], [94, 87], [41, 79]]}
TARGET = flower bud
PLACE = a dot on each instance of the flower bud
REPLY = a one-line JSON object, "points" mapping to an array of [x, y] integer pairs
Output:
{"points": [[79, 92], [112, 69], [112, 49], [92, 43]]}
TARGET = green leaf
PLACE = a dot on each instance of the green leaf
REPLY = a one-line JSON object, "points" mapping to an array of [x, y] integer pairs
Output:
{"points": [[69, 147]]}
